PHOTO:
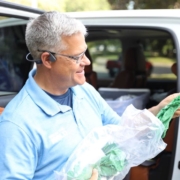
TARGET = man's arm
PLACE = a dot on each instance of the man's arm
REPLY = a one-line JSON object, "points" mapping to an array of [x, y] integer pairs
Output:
{"points": [[163, 103]]}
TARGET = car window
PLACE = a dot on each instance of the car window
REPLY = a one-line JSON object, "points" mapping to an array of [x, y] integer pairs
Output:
{"points": [[111, 48], [161, 53], [13, 66], [106, 54]]}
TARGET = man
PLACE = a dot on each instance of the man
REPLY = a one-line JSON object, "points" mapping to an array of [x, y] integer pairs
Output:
{"points": [[56, 109]]}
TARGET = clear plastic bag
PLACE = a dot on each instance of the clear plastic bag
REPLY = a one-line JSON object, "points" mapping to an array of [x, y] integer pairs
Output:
{"points": [[120, 104], [126, 97], [114, 149]]}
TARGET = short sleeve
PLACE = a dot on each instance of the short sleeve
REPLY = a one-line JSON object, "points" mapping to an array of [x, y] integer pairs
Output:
{"points": [[18, 155]]}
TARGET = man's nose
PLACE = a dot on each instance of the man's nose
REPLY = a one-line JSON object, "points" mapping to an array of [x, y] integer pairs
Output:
{"points": [[86, 60]]}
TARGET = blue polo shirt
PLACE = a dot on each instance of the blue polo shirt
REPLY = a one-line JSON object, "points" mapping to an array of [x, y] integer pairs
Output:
{"points": [[37, 134]]}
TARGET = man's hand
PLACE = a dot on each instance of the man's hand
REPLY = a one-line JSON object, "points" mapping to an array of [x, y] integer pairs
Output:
{"points": [[94, 175], [165, 102]]}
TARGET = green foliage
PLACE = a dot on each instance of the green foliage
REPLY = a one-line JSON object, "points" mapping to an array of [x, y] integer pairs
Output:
{"points": [[23, 2], [118, 4], [108, 48], [94, 5], [84, 5], [67, 5], [43, 4], [142, 4]]}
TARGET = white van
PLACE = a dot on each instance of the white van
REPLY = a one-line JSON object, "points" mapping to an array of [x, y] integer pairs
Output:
{"points": [[133, 49]]}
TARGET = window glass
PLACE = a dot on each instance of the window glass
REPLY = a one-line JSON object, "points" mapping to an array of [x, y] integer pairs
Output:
{"points": [[108, 49], [106, 55], [13, 66], [161, 53]]}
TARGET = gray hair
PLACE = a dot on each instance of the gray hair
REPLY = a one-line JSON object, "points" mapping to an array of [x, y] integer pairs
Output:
{"points": [[45, 32]]}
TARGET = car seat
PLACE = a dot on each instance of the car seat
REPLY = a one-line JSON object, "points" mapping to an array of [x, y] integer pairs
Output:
{"points": [[174, 68], [91, 76], [1, 110], [134, 73]]}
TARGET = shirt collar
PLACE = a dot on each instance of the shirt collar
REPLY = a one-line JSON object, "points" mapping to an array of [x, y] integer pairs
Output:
{"points": [[76, 92], [41, 99]]}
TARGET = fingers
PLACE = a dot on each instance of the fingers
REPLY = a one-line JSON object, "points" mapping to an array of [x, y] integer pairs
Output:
{"points": [[94, 175], [177, 113]]}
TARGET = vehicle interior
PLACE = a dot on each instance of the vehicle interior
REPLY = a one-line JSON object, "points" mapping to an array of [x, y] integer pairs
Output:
{"points": [[137, 59], [123, 58]]}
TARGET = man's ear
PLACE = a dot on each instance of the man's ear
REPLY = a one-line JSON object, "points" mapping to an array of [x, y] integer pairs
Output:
{"points": [[45, 60]]}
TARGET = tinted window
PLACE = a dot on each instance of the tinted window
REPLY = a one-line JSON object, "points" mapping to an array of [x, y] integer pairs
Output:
{"points": [[13, 66], [161, 53], [106, 55], [143, 51]]}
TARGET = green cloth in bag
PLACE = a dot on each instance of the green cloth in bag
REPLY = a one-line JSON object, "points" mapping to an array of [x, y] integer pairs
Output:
{"points": [[114, 159], [112, 163]]}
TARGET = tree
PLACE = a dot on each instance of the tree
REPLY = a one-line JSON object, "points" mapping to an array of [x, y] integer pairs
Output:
{"points": [[84, 5], [144, 4], [118, 4], [67, 5]]}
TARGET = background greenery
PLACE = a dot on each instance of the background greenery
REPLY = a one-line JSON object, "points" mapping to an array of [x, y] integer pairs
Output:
{"points": [[66, 5], [159, 53], [93, 5]]}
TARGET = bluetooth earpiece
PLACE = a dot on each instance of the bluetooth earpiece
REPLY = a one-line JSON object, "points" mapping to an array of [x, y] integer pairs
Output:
{"points": [[52, 58], [29, 57]]}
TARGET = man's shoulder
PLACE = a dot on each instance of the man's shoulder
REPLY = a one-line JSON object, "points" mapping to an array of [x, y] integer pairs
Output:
{"points": [[17, 105]]}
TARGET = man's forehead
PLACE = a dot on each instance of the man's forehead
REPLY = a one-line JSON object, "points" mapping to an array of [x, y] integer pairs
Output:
{"points": [[76, 41]]}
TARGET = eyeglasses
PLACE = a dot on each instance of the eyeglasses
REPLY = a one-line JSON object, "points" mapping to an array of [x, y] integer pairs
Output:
{"points": [[75, 58]]}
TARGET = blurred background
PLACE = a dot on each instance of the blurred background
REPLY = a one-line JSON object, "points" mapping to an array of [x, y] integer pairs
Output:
{"points": [[94, 5], [160, 53]]}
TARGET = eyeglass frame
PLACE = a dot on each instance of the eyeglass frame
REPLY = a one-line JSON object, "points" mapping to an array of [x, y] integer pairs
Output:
{"points": [[76, 58]]}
